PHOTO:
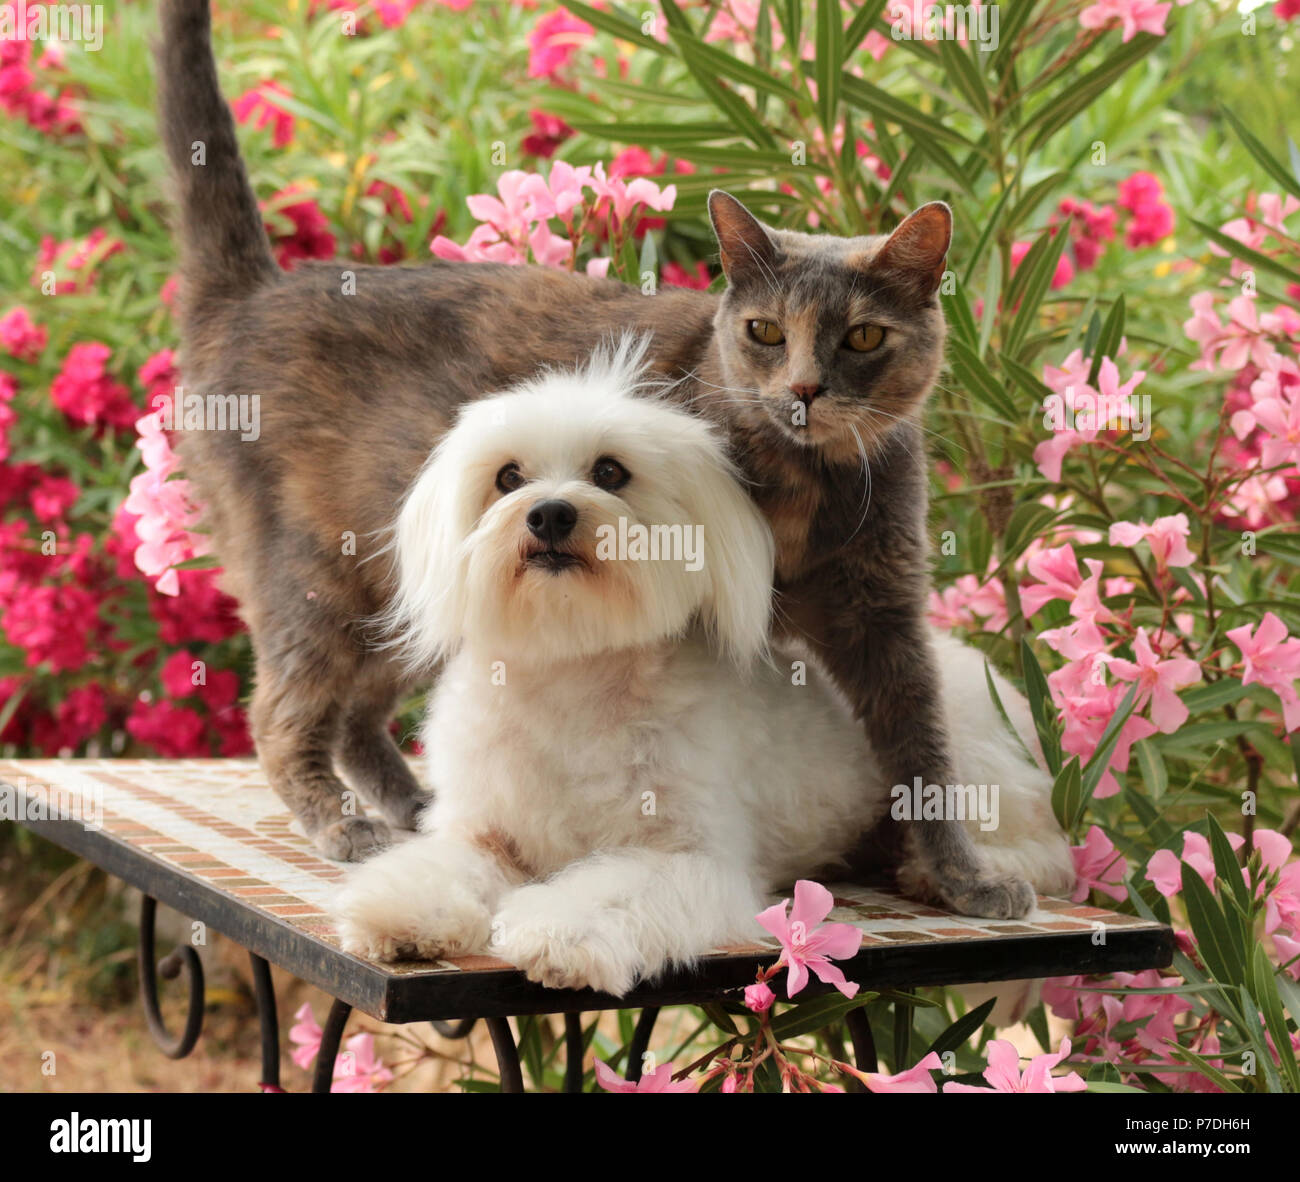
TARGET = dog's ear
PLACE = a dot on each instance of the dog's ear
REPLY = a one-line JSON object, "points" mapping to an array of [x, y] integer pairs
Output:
{"points": [[738, 555], [429, 560]]}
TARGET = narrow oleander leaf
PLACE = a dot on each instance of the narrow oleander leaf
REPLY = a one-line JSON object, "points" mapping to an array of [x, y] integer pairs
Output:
{"points": [[829, 63], [961, 1030], [1108, 339], [1263, 157], [1040, 706], [1246, 254], [619, 26]]}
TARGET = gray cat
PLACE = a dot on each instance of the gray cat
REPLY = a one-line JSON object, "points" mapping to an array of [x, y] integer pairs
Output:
{"points": [[816, 361]]}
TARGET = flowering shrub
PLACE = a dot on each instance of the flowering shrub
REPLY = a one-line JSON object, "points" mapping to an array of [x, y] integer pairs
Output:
{"points": [[1116, 442]]}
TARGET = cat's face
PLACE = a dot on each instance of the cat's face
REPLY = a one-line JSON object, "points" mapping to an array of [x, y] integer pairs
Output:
{"points": [[834, 340]]}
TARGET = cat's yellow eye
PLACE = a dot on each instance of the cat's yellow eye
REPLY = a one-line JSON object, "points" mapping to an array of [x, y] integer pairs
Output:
{"points": [[765, 332], [865, 337]]}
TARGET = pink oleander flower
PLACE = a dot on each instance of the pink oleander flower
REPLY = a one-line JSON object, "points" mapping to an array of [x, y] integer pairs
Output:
{"points": [[553, 41], [1134, 16], [20, 337], [1099, 866], [1077, 413], [806, 944], [1164, 869], [1143, 196], [163, 510], [1243, 340], [1158, 683], [1057, 572], [623, 196], [306, 1036], [1272, 659], [52, 497], [659, 1080], [72, 263], [1004, 1075], [759, 998], [1166, 536], [1090, 229], [914, 1079], [85, 392], [1064, 268], [359, 1069], [258, 106]]}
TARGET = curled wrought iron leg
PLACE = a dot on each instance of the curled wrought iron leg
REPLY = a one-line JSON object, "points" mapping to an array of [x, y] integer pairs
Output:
{"points": [[330, 1038], [864, 1044], [574, 1049], [459, 1029], [267, 1019], [636, 1049], [182, 957], [503, 1042]]}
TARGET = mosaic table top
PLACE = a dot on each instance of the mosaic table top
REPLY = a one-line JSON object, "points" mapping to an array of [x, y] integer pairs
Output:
{"points": [[210, 838]]}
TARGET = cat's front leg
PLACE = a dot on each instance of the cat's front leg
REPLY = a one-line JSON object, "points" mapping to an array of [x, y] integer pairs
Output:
{"points": [[618, 917], [877, 648], [431, 896]]}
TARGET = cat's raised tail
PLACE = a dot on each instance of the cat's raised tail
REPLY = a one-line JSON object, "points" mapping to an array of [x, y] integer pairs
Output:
{"points": [[224, 248]]}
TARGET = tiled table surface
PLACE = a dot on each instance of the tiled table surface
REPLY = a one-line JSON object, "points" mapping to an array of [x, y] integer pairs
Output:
{"points": [[210, 836]]}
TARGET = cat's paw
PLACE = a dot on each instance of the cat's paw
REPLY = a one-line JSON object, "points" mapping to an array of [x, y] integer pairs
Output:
{"points": [[375, 923], [565, 947], [1004, 896], [353, 839]]}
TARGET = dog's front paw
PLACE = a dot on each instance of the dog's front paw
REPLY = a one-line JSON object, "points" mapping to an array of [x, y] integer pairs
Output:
{"points": [[380, 926], [565, 947], [354, 839]]}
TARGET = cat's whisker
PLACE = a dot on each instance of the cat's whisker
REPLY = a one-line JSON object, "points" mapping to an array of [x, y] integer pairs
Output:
{"points": [[919, 426], [866, 471]]}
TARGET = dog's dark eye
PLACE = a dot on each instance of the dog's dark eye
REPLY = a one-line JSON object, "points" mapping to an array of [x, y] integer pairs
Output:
{"points": [[510, 478], [609, 474]]}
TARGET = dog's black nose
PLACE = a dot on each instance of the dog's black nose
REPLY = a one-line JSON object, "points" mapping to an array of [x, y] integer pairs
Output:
{"points": [[551, 521]]}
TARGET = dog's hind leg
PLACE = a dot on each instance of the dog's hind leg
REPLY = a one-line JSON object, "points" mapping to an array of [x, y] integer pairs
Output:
{"points": [[367, 753]]}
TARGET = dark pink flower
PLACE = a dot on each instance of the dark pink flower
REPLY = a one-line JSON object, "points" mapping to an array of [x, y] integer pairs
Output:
{"points": [[174, 732], [85, 392], [20, 337], [258, 106]]}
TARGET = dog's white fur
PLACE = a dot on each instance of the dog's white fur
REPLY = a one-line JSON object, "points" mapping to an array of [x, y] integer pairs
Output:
{"points": [[623, 768]]}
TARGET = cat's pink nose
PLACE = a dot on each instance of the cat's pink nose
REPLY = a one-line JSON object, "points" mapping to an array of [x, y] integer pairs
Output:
{"points": [[805, 391]]}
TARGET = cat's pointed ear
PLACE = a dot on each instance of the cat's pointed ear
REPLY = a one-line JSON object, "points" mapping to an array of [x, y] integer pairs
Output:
{"points": [[918, 248], [745, 246]]}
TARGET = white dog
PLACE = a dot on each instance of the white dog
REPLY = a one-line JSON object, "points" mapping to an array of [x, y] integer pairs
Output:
{"points": [[623, 769]]}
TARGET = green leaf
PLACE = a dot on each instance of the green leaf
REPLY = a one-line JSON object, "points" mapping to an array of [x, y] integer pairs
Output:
{"points": [[719, 1017], [1030, 283], [1151, 767], [975, 378], [829, 63], [1108, 340], [961, 70], [1264, 991], [1040, 706], [1243, 252], [884, 105], [1067, 795], [1266, 160], [961, 1030], [816, 1014], [1222, 955], [1099, 762], [1027, 521], [618, 26], [1002, 711], [1226, 866], [1077, 95], [860, 26]]}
